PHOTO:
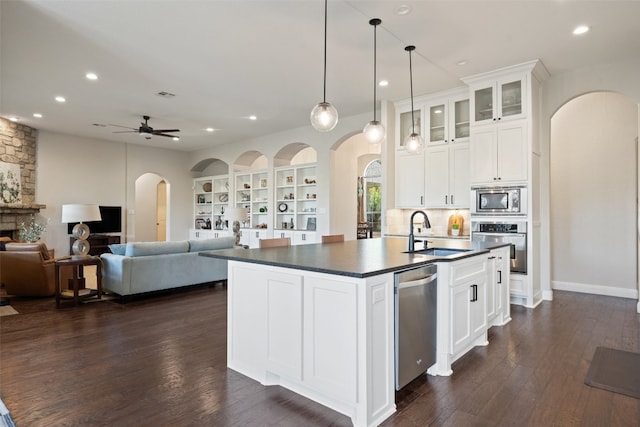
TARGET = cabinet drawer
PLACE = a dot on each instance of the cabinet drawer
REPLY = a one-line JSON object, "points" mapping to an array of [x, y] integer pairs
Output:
{"points": [[462, 271]]}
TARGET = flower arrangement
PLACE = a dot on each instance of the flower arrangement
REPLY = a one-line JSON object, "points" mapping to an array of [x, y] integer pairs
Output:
{"points": [[30, 232]]}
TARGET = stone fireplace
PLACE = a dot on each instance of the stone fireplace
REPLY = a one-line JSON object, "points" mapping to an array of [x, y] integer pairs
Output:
{"points": [[18, 145]]}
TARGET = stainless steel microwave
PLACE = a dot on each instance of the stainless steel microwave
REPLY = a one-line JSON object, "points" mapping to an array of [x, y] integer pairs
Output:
{"points": [[499, 200]]}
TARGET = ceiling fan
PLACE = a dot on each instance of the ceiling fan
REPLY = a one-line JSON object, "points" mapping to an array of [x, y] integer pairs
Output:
{"points": [[147, 131]]}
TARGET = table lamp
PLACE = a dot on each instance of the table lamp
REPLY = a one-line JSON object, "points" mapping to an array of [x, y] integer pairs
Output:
{"points": [[80, 214], [234, 216]]}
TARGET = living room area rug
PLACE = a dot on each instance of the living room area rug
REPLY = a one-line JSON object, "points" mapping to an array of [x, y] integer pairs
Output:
{"points": [[616, 371], [7, 310]]}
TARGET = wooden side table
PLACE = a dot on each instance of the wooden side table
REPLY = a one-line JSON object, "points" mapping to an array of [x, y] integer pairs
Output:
{"points": [[77, 282]]}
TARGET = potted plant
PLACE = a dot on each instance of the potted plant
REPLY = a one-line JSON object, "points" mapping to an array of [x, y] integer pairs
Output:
{"points": [[455, 229]]}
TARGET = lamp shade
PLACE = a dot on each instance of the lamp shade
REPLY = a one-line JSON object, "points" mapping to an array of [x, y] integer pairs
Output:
{"points": [[80, 213], [236, 214]]}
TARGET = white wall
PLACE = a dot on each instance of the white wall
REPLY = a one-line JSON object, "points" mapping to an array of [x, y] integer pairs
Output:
{"points": [[593, 195], [80, 170], [621, 77]]}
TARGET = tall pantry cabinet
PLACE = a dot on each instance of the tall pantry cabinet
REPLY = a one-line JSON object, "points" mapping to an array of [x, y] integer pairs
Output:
{"points": [[504, 151]]}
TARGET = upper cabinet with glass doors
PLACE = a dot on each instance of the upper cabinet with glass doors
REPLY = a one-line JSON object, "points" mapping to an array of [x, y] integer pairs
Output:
{"points": [[499, 100], [447, 117], [404, 124]]}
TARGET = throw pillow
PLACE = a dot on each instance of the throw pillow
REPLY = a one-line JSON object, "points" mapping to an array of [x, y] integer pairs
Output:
{"points": [[118, 248]]}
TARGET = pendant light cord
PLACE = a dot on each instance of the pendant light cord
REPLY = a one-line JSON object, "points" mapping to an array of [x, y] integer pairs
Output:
{"points": [[324, 90], [375, 26], [413, 122]]}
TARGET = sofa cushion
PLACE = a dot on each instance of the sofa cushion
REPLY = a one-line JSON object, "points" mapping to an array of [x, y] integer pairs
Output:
{"points": [[118, 248], [212, 244], [135, 249]]}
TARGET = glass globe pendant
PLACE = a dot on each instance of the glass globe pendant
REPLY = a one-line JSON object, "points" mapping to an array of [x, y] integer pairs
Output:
{"points": [[324, 116], [414, 143], [373, 131]]}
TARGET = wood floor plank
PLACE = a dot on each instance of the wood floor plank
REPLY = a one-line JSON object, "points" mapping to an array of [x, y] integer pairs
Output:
{"points": [[161, 360]]}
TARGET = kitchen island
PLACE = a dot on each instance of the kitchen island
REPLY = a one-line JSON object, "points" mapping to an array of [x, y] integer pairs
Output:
{"points": [[319, 319]]}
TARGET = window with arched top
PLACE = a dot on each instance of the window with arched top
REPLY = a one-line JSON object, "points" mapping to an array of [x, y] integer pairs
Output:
{"points": [[372, 195]]}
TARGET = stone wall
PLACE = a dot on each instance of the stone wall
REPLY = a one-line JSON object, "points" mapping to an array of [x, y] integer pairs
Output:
{"points": [[18, 145]]}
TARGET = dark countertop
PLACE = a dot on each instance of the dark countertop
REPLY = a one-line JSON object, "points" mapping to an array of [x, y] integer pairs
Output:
{"points": [[355, 258]]}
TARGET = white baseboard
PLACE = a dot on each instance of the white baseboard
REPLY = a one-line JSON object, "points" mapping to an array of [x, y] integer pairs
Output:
{"points": [[547, 295], [595, 289]]}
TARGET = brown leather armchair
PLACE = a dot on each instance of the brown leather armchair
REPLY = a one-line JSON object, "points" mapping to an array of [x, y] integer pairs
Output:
{"points": [[28, 269]]}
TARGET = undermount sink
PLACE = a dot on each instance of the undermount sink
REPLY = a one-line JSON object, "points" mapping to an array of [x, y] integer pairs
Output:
{"points": [[440, 251]]}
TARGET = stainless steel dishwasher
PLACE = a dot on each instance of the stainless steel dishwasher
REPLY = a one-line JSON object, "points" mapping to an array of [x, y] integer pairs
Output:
{"points": [[415, 322]]}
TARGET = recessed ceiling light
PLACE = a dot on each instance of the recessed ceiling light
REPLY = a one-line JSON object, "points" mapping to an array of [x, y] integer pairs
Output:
{"points": [[91, 76], [253, 118], [13, 119], [438, 111], [462, 62], [383, 83], [580, 29], [37, 115], [176, 138], [60, 99], [209, 129], [403, 9]]}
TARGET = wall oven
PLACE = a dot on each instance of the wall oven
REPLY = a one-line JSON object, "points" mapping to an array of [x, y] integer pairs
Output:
{"points": [[514, 232], [498, 200]]}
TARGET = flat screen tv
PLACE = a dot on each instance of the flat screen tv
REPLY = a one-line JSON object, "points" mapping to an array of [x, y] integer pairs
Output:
{"points": [[111, 221]]}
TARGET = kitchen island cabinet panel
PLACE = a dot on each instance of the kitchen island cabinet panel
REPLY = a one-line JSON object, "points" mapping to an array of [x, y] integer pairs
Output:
{"points": [[330, 324], [284, 324]]}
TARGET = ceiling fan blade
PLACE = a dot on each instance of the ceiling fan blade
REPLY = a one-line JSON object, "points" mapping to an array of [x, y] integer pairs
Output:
{"points": [[165, 130], [125, 131], [126, 127], [165, 134]]}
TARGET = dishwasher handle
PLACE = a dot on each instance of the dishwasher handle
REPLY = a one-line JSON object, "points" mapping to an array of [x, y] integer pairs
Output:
{"points": [[418, 282]]}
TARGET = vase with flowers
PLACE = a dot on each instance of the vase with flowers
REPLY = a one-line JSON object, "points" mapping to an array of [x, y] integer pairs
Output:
{"points": [[30, 231]]}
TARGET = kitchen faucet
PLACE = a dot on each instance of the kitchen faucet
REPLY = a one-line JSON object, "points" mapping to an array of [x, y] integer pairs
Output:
{"points": [[411, 239]]}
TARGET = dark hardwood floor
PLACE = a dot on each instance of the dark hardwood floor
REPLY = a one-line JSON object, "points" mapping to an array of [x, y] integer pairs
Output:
{"points": [[161, 360]]}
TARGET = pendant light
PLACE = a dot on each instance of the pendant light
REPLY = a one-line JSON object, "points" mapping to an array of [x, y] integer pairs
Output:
{"points": [[324, 116], [413, 143], [374, 131]]}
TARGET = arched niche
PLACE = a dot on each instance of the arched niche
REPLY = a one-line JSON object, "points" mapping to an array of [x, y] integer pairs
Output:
{"points": [[251, 161], [209, 167], [296, 153]]}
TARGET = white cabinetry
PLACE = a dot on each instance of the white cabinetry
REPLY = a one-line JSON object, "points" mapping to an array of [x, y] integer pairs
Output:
{"points": [[467, 294], [410, 180], [447, 176], [210, 200], [439, 177], [404, 124], [327, 337], [499, 153], [469, 282], [448, 118], [499, 98], [499, 280]]}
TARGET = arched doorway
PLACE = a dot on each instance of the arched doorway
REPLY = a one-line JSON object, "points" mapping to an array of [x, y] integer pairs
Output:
{"points": [[593, 190], [151, 207]]}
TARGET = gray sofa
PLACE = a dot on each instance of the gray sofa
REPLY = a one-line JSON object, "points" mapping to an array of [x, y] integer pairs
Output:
{"points": [[135, 268]]}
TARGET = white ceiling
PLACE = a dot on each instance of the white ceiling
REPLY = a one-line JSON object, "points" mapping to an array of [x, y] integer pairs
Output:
{"points": [[227, 59]]}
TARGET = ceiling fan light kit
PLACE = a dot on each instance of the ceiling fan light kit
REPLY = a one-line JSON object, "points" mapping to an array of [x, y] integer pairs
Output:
{"points": [[324, 116], [413, 143], [373, 131]]}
